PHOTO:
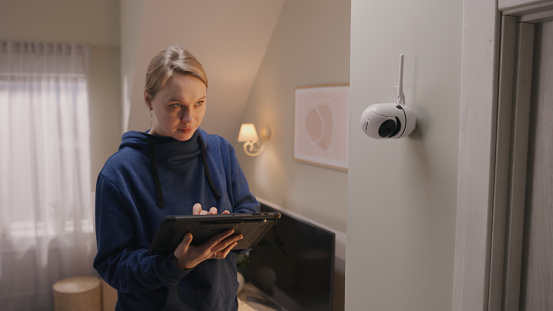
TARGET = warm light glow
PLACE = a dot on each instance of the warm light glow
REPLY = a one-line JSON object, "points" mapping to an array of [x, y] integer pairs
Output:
{"points": [[247, 133]]}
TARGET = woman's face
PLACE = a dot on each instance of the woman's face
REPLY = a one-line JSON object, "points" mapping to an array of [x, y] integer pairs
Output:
{"points": [[179, 107]]}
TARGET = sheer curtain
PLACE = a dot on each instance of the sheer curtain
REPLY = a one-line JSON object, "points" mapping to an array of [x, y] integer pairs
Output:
{"points": [[46, 215]]}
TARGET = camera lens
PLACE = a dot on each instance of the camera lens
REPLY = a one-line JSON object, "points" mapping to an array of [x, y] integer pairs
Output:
{"points": [[387, 128]]}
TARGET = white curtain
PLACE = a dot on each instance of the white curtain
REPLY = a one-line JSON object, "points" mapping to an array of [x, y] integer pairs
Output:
{"points": [[46, 215]]}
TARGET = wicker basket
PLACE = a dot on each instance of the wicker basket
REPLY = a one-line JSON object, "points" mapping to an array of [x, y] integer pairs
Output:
{"points": [[81, 293]]}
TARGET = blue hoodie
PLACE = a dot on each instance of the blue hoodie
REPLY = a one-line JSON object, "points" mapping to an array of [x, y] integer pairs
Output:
{"points": [[149, 178]]}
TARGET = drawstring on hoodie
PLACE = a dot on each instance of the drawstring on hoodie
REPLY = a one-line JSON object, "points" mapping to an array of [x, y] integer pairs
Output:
{"points": [[159, 194], [216, 193]]}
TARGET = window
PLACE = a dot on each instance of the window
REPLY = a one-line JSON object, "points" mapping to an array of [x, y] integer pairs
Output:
{"points": [[46, 213]]}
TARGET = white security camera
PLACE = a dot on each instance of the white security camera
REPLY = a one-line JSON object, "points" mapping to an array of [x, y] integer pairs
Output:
{"points": [[389, 120]]}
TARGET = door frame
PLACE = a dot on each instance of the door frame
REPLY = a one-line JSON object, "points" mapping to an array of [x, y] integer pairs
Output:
{"points": [[492, 137]]}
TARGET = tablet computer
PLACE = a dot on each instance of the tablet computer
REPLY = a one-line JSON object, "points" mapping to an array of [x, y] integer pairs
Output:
{"points": [[252, 227]]}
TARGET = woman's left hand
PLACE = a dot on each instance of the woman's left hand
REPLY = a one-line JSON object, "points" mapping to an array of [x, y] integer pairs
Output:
{"points": [[197, 210]]}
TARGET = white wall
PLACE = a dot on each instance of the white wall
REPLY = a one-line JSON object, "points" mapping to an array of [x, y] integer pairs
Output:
{"points": [[310, 46], [402, 193], [94, 23], [131, 26]]}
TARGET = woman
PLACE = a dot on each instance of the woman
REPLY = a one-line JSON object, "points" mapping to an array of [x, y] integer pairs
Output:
{"points": [[175, 168]]}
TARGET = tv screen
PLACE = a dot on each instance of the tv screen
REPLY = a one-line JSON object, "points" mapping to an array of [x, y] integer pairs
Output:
{"points": [[294, 264]]}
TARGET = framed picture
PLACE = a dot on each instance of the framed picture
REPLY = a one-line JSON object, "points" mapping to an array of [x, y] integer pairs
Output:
{"points": [[321, 132]]}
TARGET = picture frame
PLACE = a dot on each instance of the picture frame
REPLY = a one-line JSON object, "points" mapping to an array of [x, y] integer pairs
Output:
{"points": [[321, 125]]}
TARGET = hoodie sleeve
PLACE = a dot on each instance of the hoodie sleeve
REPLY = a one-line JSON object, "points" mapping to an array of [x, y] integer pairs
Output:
{"points": [[119, 261], [244, 201]]}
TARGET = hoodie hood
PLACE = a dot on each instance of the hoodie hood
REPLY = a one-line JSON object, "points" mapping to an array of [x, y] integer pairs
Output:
{"points": [[167, 147], [170, 153]]}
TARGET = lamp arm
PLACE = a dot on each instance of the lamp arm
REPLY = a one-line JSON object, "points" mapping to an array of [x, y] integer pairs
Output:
{"points": [[253, 148]]}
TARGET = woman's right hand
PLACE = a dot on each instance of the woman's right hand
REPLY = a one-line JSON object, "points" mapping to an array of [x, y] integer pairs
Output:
{"points": [[187, 256]]}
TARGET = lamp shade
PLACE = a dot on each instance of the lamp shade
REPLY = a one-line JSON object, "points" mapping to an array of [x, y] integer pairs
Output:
{"points": [[247, 133]]}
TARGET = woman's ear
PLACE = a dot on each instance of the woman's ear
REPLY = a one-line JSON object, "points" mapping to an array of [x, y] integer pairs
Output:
{"points": [[148, 100]]}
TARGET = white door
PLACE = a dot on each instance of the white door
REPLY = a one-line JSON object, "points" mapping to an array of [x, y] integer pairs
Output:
{"points": [[537, 262], [504, 238], [521, 250]]}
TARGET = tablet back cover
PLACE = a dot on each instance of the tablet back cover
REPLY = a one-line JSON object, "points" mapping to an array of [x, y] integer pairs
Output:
{"points": [[203, 227]]}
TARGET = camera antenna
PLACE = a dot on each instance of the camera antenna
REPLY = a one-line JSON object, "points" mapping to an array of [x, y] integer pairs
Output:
{"points": [[400, 98]]}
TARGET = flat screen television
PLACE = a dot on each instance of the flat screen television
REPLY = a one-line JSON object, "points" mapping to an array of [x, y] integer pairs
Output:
{"points": [[294, 264]]}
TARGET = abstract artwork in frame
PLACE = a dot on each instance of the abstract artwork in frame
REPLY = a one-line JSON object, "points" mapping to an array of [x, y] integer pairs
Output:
{"points": [[321, 132]]}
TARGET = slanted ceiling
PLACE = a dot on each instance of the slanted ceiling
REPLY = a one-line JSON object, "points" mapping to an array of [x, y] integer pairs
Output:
{"points": [[229, 37]]}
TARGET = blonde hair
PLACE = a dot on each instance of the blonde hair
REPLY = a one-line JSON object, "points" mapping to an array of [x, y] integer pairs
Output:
{"points": [[171, 60]]}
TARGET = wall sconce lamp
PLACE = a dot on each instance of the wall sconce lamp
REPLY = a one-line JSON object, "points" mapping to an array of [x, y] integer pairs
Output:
{"points": [[248, 135]]}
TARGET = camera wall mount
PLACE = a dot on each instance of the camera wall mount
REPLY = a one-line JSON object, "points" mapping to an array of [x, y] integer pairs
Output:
{"points": [[390, 120]]}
